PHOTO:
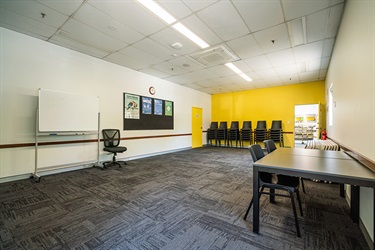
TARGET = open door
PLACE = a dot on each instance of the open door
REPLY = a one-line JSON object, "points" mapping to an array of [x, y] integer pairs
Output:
{"points": [[196, 127]]}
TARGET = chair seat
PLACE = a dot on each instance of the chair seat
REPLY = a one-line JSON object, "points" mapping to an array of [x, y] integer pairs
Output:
{"points": [[115, 149]]}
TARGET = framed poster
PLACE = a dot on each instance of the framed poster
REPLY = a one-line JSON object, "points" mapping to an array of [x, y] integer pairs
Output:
{"points": [[158, 107], [131, 104], [168, 108], [146, 105]]}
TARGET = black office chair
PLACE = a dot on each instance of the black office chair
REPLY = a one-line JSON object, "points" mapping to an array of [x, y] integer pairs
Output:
{"points": [[111, 138], [271, 146], [265, 181]]}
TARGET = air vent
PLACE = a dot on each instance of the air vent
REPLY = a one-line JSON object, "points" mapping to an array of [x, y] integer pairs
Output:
{"points": [[214, 56]]}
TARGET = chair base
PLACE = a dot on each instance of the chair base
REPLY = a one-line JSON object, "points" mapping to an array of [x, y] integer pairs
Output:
{"points": [[110, 163]]}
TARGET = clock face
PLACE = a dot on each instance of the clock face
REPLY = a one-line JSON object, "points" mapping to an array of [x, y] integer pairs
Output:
{"points": [[151, 90]]}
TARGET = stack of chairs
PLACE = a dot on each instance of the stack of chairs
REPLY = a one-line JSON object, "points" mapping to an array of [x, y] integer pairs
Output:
{"points": [[222, 133], [211, 133], [260, 132], [246, 133], [233, 133], [276, 132]]}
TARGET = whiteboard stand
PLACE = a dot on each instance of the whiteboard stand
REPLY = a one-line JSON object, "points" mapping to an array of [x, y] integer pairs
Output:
{"points": [[35, 175]]}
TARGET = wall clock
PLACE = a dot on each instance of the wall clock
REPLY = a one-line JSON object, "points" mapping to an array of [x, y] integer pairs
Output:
{"points": [[152, 90]]}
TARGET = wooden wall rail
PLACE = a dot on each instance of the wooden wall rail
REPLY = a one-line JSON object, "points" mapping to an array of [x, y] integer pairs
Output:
{"points": [[32, 144]]}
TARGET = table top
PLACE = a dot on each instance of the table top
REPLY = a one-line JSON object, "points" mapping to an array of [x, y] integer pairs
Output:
{"points": [[314, 153], [315, 165]]}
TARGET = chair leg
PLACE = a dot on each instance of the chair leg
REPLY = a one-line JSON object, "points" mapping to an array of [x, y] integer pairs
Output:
{"points": [[299, 202], [303, 186], [295, 214], [251, 203]]}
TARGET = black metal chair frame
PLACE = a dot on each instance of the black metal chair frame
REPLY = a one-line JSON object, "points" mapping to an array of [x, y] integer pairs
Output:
{"points": [[111, 138], [246, 133], [233, 134], [264, 182]]}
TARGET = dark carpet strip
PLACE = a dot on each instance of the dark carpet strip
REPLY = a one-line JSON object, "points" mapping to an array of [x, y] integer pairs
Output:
{"points": [[193, 199]]}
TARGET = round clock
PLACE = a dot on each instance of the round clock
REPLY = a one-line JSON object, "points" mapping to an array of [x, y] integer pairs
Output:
{"points": [[151, 90]]}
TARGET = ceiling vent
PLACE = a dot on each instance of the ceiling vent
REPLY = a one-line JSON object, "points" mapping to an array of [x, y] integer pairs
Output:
{"points": [[214, 56]]}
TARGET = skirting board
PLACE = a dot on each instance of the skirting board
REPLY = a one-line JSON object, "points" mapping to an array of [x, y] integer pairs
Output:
{"points": [[83, 166]]}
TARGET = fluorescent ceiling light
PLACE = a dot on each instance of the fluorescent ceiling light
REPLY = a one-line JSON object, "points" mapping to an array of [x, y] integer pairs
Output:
{"points": [[186, 32], [238, 71], [157, 10]]}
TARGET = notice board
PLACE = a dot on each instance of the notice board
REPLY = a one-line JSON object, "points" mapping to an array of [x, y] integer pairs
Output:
{"points": [[147, 113], [65, 112]]}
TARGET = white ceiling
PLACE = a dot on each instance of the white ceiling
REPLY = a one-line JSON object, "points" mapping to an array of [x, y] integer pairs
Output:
{"points": [[126, 33]]}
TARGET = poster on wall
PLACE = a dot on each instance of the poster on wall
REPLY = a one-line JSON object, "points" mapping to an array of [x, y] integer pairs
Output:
{"points": [[158, 107], [131, 104], [168, 108], [146, 105]]}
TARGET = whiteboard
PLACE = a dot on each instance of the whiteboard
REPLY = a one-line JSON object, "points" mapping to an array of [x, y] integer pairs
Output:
{"points": [[64, 112]]}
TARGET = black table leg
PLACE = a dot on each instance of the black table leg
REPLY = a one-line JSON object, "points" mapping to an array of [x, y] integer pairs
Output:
{"points": [[354, 203], [256, 200], [342, 190]]}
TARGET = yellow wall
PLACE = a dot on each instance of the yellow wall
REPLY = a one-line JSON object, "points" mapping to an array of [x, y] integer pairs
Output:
{"points": [[275, 103]]}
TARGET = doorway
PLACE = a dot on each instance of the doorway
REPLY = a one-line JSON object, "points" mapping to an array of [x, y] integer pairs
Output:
{"points": [[306, 123], [196, 127]]}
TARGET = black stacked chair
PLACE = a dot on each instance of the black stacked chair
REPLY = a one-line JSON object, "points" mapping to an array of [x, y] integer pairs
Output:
{"points": [[271, 146], [233, 133], [260, 132], [276, 132], [265, 181], [222, 133], [111, 138], [246, 133], [211, 133]]}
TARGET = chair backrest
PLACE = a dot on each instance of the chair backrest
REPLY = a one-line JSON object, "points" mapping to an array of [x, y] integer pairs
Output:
{"points": [[270, 145], [234, 125], [246, 125], [223, 125], [261, 125], [214, 125], [111, 137], [256, 152], [277, 124]]}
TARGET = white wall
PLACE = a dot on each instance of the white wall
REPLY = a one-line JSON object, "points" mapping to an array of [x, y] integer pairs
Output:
{"points": [[352, 72], [28, 64]]}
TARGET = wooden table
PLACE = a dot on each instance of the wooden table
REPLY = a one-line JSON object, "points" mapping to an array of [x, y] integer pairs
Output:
{"points": [[335, 166]]}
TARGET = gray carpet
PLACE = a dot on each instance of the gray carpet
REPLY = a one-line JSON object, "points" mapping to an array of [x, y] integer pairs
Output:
{"points": [[193, 199]]}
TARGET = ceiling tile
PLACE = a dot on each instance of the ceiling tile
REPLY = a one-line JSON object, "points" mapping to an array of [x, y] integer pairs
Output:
{"points": [[154, 72], [334, 20], [64, 7], [155, 49], [245, 47], [314, 65], [202, 30], [131, 14], [295, 9], [228, 26], [316, 25], [195, 5], [278, 34], [287, 70], [258, 63], [99, 20], [176, 8], [126, 61], [169, 36], [324, 62], [221, 70], [309, 76], [282, 57], [134, 52], [267, 74], [25, 25], [34, 10], [241, 65], [186, 62], [328, 47], [260, 15], [83, 33], [170, 68], [308, 52]]}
